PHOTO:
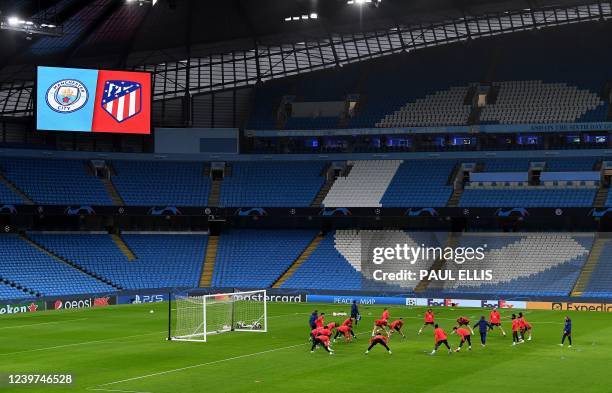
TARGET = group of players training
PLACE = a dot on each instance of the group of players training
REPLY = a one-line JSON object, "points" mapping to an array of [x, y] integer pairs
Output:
{"points": [[321, 333]]}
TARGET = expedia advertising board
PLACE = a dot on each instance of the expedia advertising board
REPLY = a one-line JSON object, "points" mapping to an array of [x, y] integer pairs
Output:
{"points": [[570, 306]]}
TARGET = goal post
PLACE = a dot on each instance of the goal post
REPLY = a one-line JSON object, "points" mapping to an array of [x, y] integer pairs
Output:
{"points": [[197, 317]]}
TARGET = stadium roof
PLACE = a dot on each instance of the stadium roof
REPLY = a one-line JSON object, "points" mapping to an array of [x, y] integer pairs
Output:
{"points": [[119, 27]]}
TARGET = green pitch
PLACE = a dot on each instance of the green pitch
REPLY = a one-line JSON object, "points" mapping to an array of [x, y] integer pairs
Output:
{"points": [[123, 349]]}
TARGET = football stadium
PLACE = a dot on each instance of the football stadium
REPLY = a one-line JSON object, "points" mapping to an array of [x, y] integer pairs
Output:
{"points": [[305, 196]]}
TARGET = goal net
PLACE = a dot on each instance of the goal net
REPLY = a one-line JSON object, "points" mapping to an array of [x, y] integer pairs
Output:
{"points": [[199, 316]]}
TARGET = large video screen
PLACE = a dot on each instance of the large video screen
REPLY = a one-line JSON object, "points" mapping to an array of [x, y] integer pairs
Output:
{"points": [[84, 100]]}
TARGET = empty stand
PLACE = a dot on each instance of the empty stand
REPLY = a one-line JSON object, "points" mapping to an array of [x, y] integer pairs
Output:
{"points": [[440, 108], [272, 184], [22, 263], [598, 285], [528, 197], [420, 184], [530, 264], [257, 258], [536, 102], [364, 186], [164, 260], [148, 183], [50, 181]]}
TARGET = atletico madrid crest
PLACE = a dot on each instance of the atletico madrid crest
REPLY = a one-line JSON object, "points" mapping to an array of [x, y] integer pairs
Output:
{"points": [[122, 99]]}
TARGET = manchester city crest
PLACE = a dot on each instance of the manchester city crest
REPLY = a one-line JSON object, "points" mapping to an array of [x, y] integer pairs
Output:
{"points": [[67, 95]]}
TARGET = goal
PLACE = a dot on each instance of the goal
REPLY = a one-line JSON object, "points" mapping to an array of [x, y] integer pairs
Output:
{"points": [[197, 317]]}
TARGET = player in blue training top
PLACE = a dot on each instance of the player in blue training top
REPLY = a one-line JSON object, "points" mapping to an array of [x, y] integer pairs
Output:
{"points": [[567, 331], [312, 320], [483, 327], [355, 312]]}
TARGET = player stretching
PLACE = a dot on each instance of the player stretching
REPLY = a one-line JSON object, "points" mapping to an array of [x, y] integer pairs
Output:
{"points": [[567, 332], [525, 327], [465, 336], [516, 326], [429, 320], [345, 331], [483, 327], [463, 321], [320, 321], [379, 338], [439, 339], [495, 320], [396, 326], [355, 312], [349, 324], [380, 324], [323, 341]]}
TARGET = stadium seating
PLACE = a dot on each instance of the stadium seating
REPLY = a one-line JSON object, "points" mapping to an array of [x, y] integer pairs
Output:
{"points": [[9, 292], [528, 197], [327, 268], [601, 277], [438, 109], [272, 184], [23, 264], [257, 258], [8, 197], [533, 101], [148, 183], [50, 181], [163, 261], [364, 186], [529, 264], [420, 184]]}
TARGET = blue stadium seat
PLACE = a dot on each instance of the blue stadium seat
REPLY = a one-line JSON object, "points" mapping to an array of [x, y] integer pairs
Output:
{"points": [[257, 258]]}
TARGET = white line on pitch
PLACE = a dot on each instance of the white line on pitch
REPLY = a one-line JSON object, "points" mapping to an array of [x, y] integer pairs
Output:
{"points": [[80, 343], [209, 363], [116, 390], [42, 323]]}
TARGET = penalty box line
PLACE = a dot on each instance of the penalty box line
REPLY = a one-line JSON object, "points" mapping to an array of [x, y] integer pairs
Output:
{"points": [[205, 364]]}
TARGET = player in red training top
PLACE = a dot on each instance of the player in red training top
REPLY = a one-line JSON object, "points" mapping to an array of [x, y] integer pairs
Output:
{"points": [[516, 327], [396, 326], [345, 329], [382, 323], [439, 339], [385, 314], [380, 337], [331, 326], [495, 320], [322, 341], [524, 326], [464, 321], [320, 322], [465, 335], [429, 320]]}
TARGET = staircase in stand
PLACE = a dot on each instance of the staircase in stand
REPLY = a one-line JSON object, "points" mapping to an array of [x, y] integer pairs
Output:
{"points": [[215, 193], [325, 187], [209, 262], [454, 199], [122, 245], [299, 261], [601, 197], [453, 241], [26, 198], [68, 262], [112, 192], [589, 266]]}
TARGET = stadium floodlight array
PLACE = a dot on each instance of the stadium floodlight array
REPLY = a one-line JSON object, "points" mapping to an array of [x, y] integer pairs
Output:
{"points": [[197, 317], [31, 27]]}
